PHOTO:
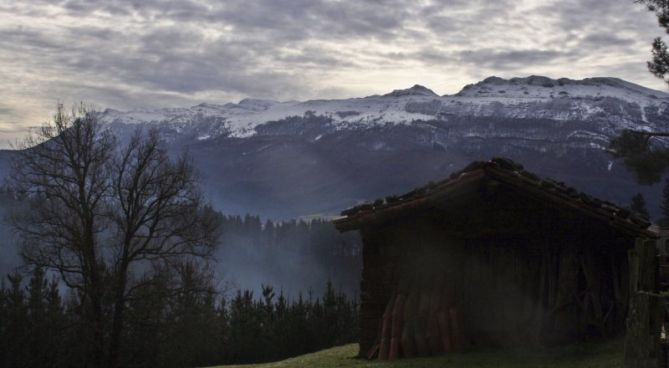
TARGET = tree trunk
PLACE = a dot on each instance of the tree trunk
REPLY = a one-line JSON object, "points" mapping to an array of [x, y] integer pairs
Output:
{"points": [[115, 336], [98, 352], [117, 317], [95, 291]]}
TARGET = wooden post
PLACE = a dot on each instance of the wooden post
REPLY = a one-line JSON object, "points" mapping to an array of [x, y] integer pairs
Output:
{"points": [[386, 330], [644, 318]]}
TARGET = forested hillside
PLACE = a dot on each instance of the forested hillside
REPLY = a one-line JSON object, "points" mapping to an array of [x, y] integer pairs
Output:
{"points": [[195, 327]]}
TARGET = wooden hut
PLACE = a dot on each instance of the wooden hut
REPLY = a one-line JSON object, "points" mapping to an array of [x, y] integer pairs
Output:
{"points": [[492, 256]]}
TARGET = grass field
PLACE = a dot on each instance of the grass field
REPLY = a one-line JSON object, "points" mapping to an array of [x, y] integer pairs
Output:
{"points": [[607, 355]]}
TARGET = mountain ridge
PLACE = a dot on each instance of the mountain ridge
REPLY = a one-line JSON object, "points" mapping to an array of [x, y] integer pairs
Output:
{"points": [[579, 99], [315, 158]]}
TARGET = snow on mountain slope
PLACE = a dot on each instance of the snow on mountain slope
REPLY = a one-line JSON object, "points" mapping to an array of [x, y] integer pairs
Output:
{"points": [[289, 159], [416, 90], [545, 88], [286, 159], [632, 106]]}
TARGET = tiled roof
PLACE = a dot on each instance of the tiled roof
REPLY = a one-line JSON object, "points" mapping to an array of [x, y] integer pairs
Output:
{"points": [[506, 171]]}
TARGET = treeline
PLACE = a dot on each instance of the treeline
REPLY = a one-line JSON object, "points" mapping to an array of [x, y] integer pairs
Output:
{"points": [[195, 327], [294, 256], [316, 236]]}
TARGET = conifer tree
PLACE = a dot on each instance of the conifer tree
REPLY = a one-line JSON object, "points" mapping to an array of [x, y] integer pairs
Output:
{"points": [[659, 65], [636, 147], [639, 205]]}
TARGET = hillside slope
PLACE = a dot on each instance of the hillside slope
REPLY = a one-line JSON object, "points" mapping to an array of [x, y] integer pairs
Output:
{"points": [[606, 355], [305, 158]]}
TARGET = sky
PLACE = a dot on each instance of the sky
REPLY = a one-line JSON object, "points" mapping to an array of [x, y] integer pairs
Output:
{"points": [[128, 54]]}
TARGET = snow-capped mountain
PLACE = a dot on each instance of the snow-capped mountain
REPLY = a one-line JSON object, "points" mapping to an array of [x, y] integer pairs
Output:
{"points": [[285, 159], [621, 103]]}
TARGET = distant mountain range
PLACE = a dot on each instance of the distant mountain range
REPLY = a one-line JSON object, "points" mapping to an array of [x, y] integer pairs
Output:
{"points": [[298, 159]]}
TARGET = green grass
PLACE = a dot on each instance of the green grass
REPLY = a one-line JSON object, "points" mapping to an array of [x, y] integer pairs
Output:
{"points": [[609, 355]]}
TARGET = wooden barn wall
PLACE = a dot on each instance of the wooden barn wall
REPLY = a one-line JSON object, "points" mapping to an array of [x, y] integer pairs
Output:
{"points": [[401, 257], [375, 286], [559, 282], [544, 291]]}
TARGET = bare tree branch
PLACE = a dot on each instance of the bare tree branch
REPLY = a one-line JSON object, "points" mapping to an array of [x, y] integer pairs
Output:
{"points": [[100, 212]]}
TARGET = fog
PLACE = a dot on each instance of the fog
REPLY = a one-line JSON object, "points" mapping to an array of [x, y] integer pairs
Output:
{"points": [[295, 257]]}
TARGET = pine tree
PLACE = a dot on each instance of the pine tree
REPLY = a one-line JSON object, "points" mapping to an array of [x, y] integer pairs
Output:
{"points": [[659, 65], [638, 205], [17, 343], [636, 147]]}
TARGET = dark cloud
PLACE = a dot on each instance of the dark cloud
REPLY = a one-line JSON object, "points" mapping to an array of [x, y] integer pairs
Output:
{"points": [[303, 19], [607, 40], [435, 55], [513, 59], [287, 19], [6, 110], [596, 18], [170, 59]]}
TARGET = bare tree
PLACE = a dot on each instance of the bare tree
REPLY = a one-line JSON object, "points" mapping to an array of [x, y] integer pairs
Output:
{"points": [[158, 218], [62, 172], [105, 215]]}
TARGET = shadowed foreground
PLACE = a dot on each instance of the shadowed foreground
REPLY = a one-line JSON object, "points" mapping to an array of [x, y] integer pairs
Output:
{"points": [[609, 355]]}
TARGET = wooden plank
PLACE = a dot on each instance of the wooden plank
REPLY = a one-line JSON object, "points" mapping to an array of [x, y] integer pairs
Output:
{"points": [[397, 325], [642, 340], [422, 347], [410, 311], [386, 330]]}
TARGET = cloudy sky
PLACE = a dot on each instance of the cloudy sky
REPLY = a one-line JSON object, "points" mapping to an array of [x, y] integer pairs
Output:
{"points": [[126, 54]]}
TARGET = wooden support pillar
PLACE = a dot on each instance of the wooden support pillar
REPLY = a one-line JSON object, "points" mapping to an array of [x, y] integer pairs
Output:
{"points": [[644, 318]]}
